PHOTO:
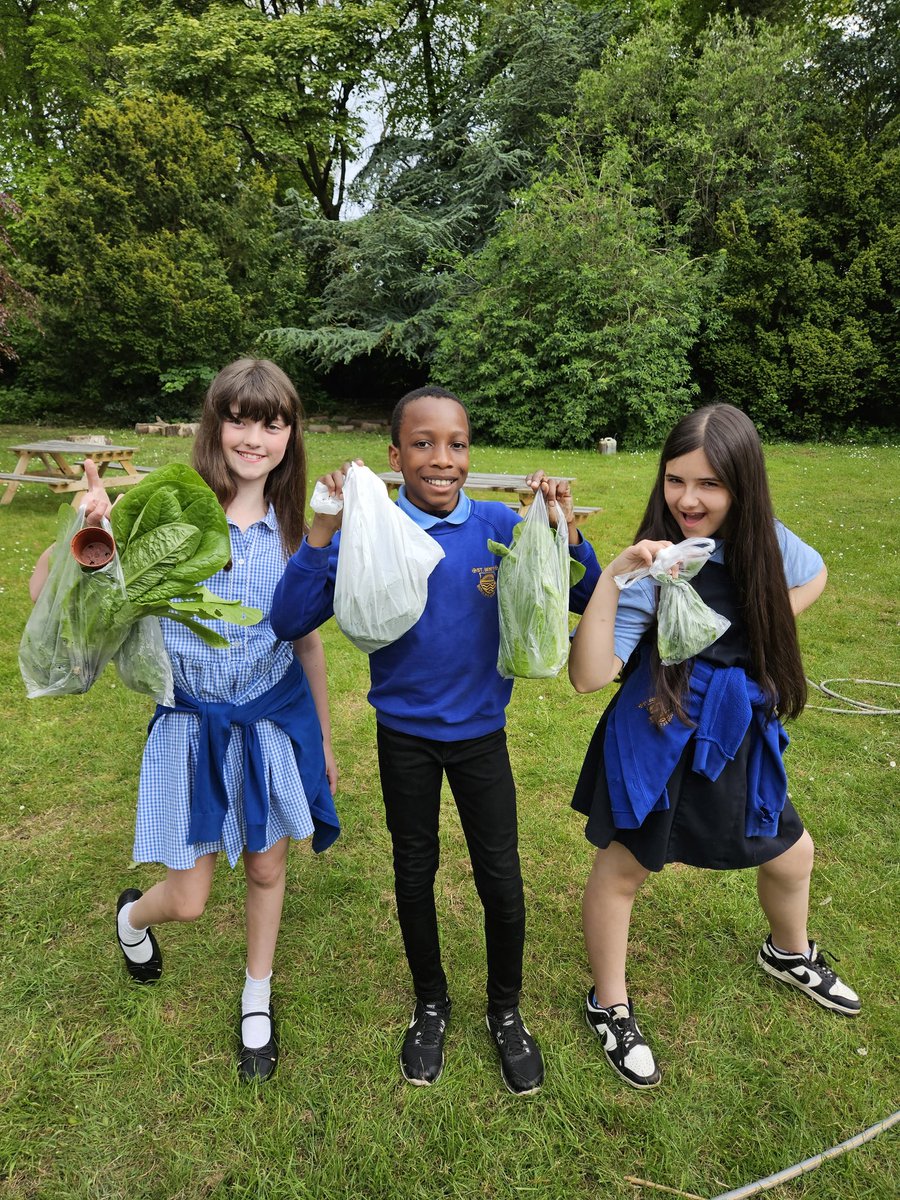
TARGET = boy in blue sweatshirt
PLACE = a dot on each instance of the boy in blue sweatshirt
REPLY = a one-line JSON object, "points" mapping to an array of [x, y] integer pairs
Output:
{"points": [[441, 707]]}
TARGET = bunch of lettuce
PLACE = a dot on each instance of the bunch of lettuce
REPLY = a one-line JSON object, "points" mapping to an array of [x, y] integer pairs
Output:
{"points": [[533, 596], [685, 623], [171, 534]]}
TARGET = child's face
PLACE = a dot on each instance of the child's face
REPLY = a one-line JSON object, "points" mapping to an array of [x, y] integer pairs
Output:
{"points": [[433, 454], [697, 498], [253, 449]]}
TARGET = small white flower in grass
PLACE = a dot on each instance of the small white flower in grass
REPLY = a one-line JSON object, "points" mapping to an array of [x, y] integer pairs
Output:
{"points": [[892, 763], [861, 1051]]}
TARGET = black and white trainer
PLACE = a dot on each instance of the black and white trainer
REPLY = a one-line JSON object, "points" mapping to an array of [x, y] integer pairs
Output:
{"points": [[422, 1056], [521, 1064], [623, 1043], [812, 975]]}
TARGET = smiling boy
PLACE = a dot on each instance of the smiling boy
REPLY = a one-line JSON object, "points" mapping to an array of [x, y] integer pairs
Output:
{"points": [[441, 708]]}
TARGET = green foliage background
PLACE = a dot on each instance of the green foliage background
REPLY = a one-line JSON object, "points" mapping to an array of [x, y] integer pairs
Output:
{"points": [[587, 217]]}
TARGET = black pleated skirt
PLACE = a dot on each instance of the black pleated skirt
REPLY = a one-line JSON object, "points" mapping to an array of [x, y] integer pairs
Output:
{"points": [[704, 825]]}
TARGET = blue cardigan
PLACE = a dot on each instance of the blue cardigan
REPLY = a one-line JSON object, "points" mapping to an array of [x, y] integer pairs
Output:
{"points": [[289, 704], [723, 703]]}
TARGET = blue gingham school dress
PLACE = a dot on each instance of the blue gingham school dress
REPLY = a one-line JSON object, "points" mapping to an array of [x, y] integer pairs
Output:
{"points": [[255, 661]]}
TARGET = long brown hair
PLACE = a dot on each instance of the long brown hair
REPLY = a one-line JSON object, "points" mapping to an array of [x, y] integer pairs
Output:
{"points": [[258, 390], [753, 557]]}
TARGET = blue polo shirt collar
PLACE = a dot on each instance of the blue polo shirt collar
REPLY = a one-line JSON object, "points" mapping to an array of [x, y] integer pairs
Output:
{"points": [[426, 520]]}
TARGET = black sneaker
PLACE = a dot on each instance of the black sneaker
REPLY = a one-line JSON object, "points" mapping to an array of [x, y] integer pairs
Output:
{"points": [[623, 1042], [422, 1056], [811, 974], [521, 1064]]}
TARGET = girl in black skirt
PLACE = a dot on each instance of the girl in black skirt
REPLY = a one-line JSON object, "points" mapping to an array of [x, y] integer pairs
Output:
{"points": [[685, 765]]}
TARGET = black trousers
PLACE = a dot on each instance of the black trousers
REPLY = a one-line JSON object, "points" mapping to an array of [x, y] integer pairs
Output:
{"points": [[480, 778]]}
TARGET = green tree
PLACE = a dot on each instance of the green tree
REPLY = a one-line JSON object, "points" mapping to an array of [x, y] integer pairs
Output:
{"points": [[434, 188], [810, 303], [151, 250], [573, 322], [54, 58], [281, 77], [16, 302], [708, 123]]}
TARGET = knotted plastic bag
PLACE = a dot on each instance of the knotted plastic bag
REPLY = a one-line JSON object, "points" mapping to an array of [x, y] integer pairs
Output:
{"points": [[143, 663], [383, 565], [69, 636], [685, 624], [533, 596]]}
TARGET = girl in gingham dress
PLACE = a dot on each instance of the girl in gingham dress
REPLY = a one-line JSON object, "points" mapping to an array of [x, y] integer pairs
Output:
{"points": [[243, 761]]}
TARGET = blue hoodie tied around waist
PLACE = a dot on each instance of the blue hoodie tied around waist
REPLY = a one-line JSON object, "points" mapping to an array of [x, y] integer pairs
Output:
{"points": [[289, 704], [723, 703]]}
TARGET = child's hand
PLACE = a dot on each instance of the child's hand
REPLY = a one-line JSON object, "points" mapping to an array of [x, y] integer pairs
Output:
{"points": [[325, 525], [558, 495], [633, 558], [96, 505]]}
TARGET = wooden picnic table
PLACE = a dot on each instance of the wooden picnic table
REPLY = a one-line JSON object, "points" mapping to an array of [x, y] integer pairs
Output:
{"points": [[60, 466], [485, 482]]}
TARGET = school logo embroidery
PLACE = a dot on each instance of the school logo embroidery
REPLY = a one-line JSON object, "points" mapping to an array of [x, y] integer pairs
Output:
{"points": [[487, 580]]}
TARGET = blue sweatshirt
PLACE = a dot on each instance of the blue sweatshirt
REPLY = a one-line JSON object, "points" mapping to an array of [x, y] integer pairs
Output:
{"points": [[722, 704], [440, 679]]}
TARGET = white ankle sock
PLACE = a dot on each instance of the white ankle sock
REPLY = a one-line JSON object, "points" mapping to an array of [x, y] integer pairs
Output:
{"points": [[256, 1031], [135, 942]]}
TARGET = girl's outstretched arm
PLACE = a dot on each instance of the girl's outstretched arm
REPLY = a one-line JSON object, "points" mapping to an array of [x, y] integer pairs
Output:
{"points": [[96, 506], [807, 593], [311, 653], [593, 662]]}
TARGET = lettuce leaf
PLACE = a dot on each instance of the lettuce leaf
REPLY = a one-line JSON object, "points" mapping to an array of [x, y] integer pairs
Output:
{"points": [[533, 584]]}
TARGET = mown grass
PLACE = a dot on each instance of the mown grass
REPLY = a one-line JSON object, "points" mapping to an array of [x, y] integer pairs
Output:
{"points": [[111, 1092]]}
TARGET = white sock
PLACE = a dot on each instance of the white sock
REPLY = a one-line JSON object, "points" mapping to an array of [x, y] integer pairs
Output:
{"points": [[794, 953], [135, 942], [256, 1031]]}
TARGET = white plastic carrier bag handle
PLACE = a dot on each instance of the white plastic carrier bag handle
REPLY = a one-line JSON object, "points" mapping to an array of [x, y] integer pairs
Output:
{"points": [[384, 561]]}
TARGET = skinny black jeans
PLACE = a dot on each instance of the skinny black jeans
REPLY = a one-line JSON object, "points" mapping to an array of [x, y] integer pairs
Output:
{"points": [[480, 778]]}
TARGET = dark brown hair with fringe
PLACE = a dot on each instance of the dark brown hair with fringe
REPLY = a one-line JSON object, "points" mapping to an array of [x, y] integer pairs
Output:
{"points": [[258, 390], [729, 440]]}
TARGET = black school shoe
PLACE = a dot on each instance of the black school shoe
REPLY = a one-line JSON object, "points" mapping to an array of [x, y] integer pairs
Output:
{"points": [[521, 1064], [624, 1045], [422, 1055], [144, 972], [257, 1064], [812, 975]]}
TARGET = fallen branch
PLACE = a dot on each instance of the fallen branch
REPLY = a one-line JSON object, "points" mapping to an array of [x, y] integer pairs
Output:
{"points": [[661, 1187]]}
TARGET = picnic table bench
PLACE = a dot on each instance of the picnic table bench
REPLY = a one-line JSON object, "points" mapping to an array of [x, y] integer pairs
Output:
{"points": [[486, 482], [60, 466]]}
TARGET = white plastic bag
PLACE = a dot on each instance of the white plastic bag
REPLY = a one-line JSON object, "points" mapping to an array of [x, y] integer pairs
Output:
{"points": [[143, 662], [533, 596], [685, 624], [69, 636], [383, 565]]}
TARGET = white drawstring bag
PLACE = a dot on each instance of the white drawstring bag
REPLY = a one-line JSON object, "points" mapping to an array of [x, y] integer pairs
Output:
{"points": [[384, 561]]}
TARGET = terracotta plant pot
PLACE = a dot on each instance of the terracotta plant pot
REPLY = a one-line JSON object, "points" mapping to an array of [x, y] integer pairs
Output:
{"points": [[93, 547]]}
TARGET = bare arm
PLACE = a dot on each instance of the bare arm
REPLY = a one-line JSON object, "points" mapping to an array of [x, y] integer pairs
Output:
{"points": [[311, 653], [96, 507], [593, 662], [807, 593]]}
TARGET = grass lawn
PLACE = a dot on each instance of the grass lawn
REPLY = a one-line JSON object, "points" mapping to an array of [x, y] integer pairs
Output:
{"points": [[111, 1092]]}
